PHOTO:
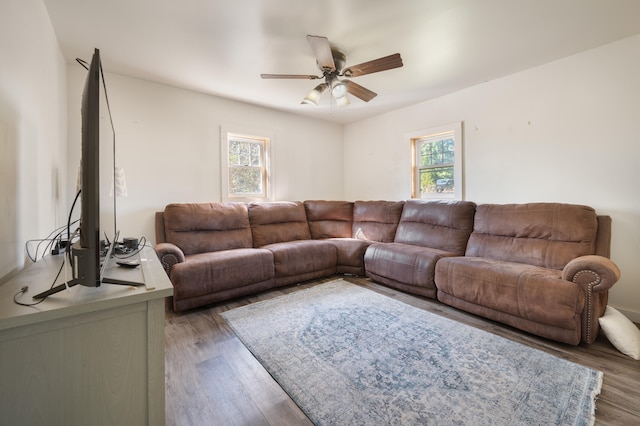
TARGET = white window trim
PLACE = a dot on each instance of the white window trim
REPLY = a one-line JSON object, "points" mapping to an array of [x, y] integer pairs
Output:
{"points": [[252, 133], [456, 129]]}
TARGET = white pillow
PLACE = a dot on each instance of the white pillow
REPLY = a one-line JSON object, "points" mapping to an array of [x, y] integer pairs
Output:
{"points": [[621, 332]]}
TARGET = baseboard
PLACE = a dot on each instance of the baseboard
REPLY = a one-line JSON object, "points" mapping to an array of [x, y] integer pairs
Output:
{"points": [[632, 315], [10, 275]]}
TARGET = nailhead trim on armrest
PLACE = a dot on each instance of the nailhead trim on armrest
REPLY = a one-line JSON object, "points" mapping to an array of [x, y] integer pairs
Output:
{"points": [[589, 288], [168, 260]]}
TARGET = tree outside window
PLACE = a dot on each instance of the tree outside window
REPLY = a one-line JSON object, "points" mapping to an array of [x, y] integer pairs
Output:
{"points": [[436, 171], [245, 167], [435, 164]]}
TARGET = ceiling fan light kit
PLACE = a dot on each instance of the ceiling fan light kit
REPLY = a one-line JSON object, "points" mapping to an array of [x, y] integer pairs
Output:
{"points": [[338, 89], [343, 101], [332, 64], [314, 96]]}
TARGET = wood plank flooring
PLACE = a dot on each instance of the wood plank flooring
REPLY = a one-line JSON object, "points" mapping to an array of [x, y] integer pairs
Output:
{"points": [[212, 379]]}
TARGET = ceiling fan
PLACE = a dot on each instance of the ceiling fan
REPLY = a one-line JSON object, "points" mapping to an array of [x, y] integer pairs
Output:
{"points": [[331, 63]]}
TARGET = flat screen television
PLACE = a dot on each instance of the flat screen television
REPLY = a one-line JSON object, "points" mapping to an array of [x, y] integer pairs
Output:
{"points": [[88, 264]]}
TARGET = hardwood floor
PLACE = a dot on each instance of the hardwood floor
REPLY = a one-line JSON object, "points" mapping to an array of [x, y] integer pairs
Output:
{"points": [[212, 379]]}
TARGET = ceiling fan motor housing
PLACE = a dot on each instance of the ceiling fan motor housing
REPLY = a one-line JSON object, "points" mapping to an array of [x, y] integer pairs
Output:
{"points": [[339, 59]]}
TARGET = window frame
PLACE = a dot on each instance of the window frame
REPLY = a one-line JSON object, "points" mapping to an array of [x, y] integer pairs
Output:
{"points": [[265, 139], [436, 133]]}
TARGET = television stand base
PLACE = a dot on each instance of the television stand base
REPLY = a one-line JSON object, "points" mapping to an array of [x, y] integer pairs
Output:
{"points": [[73, 283]]}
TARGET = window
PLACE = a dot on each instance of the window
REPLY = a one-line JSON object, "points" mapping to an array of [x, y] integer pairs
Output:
{"points": [[245, 167], [436, 162]]}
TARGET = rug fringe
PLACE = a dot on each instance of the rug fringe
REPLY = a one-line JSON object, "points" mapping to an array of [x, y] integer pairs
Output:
{"points": [[594, 397]]}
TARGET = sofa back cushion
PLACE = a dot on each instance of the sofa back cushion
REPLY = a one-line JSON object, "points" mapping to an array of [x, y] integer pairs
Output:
{"points": [[329, 219], [206, 227], [277, 222], [376, 220], [443, 225], [603, 243], [541, 234]]}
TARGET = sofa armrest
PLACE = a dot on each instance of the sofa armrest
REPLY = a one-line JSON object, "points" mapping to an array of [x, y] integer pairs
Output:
{"points": [[169, 255], [597, 272], [595, 275]]}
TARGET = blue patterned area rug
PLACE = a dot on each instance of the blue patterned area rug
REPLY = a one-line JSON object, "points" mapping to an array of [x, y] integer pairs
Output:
{"points": [[350, 356]]}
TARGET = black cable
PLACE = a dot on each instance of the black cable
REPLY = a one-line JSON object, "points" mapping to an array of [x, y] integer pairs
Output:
{"points": [[73, 205], [50, 239], [67, 249], [83, 63], [58, 236], [24, 289], [59, 231], [142, 242]]}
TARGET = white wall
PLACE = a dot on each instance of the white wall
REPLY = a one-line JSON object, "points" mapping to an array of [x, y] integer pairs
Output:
{"points": [[566, 131], [32, 129], [168, 142]]}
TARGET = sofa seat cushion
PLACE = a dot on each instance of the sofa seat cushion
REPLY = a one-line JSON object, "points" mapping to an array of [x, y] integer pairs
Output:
{"points": [[302, 260], [392, 263], [524, 291], [206, 273], [350, 254]]}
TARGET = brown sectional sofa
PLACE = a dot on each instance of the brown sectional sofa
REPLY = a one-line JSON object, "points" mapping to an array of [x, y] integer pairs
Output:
{"points": [[539, 267]]}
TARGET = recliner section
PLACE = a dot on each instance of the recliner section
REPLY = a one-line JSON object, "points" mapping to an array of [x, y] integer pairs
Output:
{"points": [[426, 232], [512, 270], [282, 229]]}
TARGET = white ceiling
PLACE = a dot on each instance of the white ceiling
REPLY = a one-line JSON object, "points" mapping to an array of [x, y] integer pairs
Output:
{"points": [[221, 47]]}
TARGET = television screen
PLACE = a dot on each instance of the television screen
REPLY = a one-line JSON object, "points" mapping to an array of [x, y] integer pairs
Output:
{"points": [[87, 251], [86, 254]]}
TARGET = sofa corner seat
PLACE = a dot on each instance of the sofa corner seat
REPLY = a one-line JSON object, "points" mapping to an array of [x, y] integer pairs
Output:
{"points": [[352, 227]]}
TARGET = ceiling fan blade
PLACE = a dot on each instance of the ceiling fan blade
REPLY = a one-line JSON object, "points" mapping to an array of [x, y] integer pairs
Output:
{"points": [[322, 51], [361, 92], [377, 65], [298, 76]]}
